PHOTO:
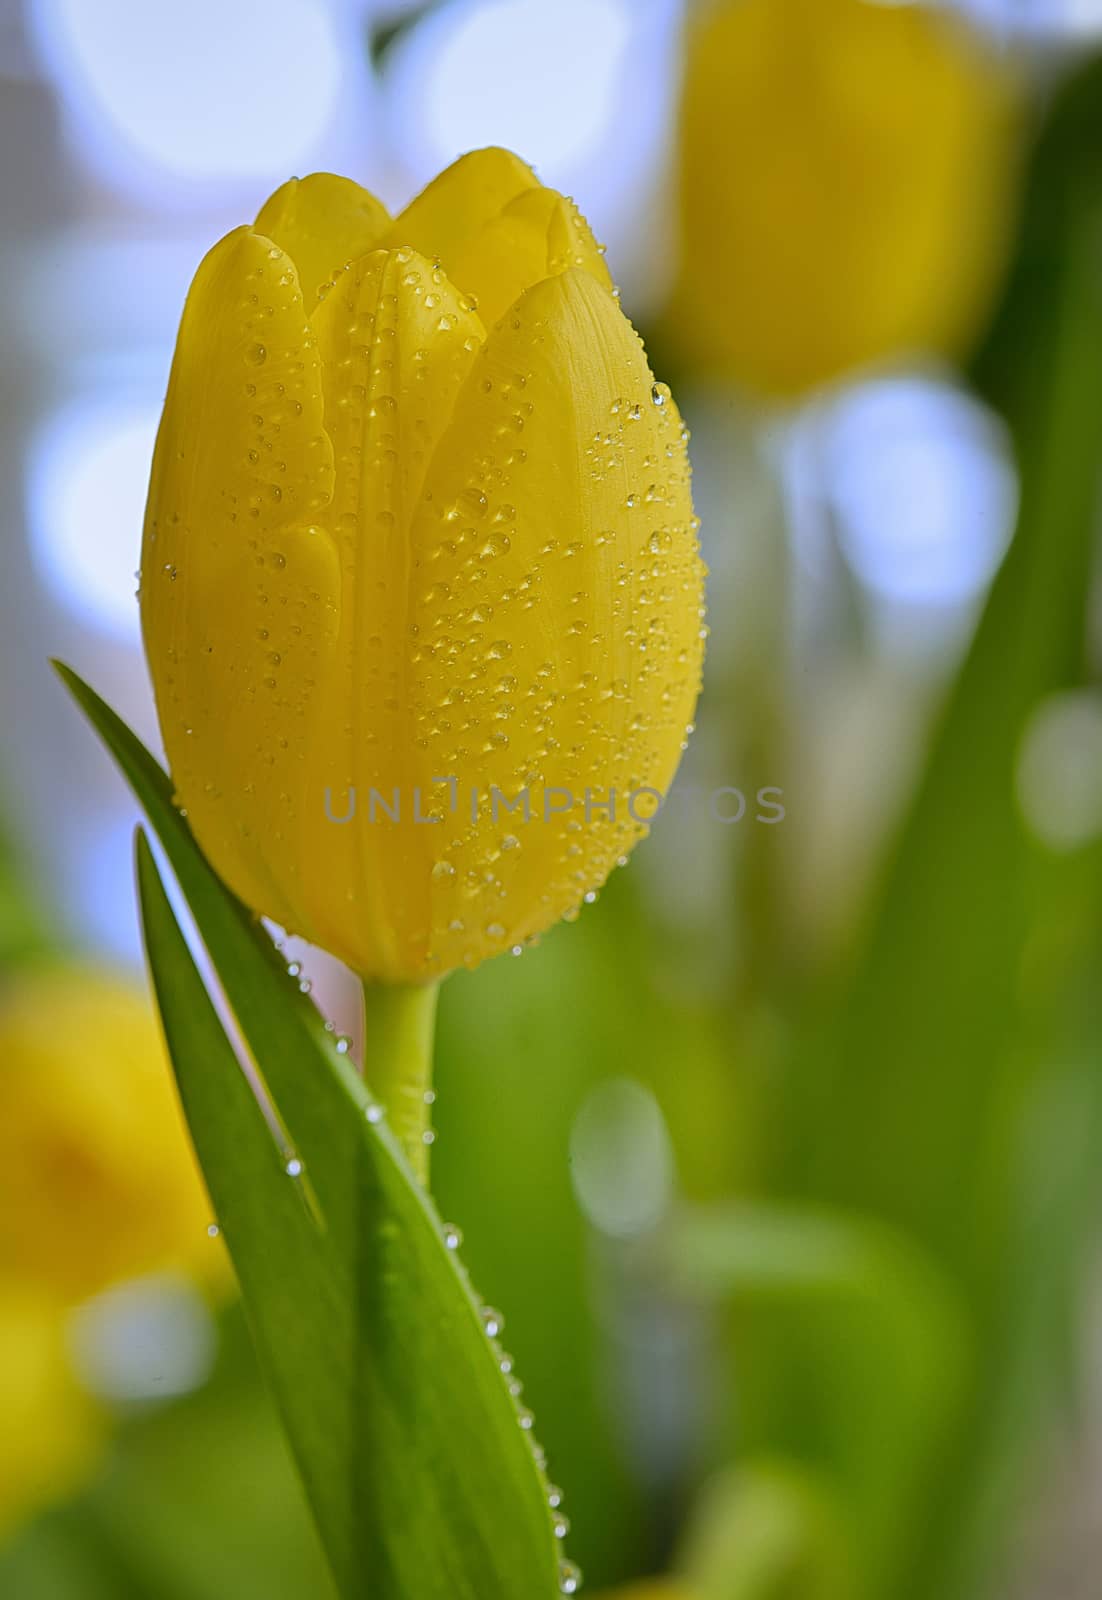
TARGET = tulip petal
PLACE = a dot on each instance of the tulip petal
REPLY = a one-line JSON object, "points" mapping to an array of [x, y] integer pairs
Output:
{"points": [[538, 234], [240, 589], [460, 202], [397, 341], [497, 230], [559, 611], [323, 222]]}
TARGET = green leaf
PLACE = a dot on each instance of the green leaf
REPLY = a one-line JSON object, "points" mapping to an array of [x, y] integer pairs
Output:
{"points": [[420, 1477], [766, 1531], [877, 1323], [23, 932]]}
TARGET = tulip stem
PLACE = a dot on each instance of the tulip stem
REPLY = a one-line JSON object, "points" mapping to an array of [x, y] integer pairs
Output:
{"points": [[399, 1025]]}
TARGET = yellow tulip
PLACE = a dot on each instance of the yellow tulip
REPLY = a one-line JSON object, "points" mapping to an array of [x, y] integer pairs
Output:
{"points": [[845, 177], [97, 1183], [51, 1429], [419, 540]]}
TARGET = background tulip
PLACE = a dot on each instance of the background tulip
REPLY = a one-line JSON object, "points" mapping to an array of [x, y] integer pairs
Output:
{"points": [[845, 170], [52, 1428], [97, 1182], [418, 512]]}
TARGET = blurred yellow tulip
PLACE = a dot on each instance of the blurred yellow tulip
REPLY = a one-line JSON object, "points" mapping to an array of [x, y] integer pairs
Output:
{"points": [[401, 573], [846, 170], [51, 1429], [98, 1182]]}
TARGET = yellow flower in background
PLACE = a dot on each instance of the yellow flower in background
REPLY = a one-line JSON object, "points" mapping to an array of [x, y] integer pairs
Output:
{"points": [[419, 545], [845, 176], [98, 1182], [52, 1430]]}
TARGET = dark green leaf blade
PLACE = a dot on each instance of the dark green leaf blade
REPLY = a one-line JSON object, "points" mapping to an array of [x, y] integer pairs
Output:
{"points": [[269, 1231], [420, 1475]]}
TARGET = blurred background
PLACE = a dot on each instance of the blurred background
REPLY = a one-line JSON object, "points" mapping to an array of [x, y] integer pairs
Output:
{"points": [[795, 1211]]}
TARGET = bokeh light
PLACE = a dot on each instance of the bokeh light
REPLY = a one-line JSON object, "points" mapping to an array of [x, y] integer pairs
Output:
{"points": [[920, 476], [87, 474], [128, 72], [1060, 770]]}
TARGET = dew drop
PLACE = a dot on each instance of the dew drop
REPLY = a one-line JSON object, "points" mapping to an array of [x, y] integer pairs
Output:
{"points": [[344, 1044], [554, 1496], [375, 1113], [294, 1168], [256, 355], [561, 1526], [492, 1321], [213, 1231], [453, 1238], [525, 1418], [570, 1578]]}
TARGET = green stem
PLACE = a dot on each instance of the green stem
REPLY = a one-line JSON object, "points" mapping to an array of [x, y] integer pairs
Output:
{"points": [[399, 1024]]}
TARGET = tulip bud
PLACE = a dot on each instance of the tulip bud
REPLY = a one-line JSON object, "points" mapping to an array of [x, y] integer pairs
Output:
{"points": [[846, 171], [420, 571]]}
